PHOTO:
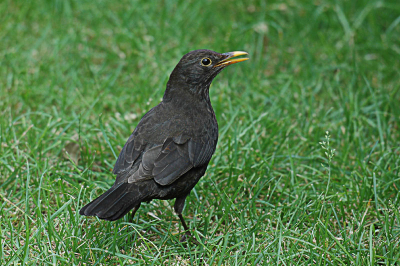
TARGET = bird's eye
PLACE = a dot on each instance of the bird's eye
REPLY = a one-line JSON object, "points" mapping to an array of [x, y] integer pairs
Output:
{"points": [[206, 62]]}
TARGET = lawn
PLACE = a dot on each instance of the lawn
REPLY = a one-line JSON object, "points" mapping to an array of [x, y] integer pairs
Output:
{"points": [[307, 168]]}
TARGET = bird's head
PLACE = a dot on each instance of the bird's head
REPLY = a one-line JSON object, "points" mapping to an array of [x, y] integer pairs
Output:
{"points": [[197, 69]]}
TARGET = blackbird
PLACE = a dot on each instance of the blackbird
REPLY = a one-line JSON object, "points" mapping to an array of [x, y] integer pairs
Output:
{"points": [[171, 147]]}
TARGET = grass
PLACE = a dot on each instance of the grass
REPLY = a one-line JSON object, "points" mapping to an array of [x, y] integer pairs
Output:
{"points": [[76, 77]]}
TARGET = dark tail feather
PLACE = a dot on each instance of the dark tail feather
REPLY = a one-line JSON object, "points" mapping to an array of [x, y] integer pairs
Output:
{"points": [[89, 209], [135, 206], [113, 204]]}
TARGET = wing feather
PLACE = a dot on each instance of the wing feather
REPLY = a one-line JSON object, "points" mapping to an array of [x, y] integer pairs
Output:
{"points": [[164, 163]]}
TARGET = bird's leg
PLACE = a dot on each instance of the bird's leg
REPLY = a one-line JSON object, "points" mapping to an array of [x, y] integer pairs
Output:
{"points": [[179, 204], [132, 215], [184, 223]]}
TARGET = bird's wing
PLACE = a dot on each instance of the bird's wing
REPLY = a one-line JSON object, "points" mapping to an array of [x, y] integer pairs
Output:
{"points": [[167, 162], [128, 155]]}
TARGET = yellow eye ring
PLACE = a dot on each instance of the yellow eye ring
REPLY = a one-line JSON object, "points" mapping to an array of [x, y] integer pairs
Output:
{"points": [[206, 61]]}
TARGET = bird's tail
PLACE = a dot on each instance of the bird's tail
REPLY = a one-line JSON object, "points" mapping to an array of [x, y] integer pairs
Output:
{"points": [[113, 204]]}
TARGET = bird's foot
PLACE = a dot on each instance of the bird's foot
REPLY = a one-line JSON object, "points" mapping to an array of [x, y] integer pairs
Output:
{"points": [[188, 236]]}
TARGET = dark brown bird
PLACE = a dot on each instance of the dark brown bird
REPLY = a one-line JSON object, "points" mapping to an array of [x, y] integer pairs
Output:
{"points": [[171, 147]]}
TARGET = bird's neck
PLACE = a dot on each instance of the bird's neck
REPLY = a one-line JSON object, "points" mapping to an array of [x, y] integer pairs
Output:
{"points": [[187, 93]]}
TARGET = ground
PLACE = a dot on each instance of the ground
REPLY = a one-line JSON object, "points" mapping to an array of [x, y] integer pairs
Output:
{"points": [[307, 168]]}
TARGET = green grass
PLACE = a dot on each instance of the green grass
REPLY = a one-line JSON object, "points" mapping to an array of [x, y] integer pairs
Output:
{"points": [[76, 77]]}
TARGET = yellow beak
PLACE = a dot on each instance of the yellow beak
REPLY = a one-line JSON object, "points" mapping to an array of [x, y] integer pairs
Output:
{"points": [[229, 61]]}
